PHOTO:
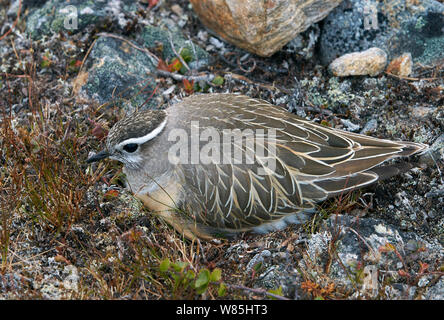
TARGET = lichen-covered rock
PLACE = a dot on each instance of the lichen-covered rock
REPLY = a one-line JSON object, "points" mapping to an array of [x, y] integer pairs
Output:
{"points": [[369, 62], [435, 152], [76, 15], [261, 27], [396, 26], [116, 72]]}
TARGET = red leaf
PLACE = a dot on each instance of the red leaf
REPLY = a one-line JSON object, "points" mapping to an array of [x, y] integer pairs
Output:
{"points": [[161, 65], [112, 193], [152, 3], [402, 273], [423, 267], [99, 132], [176, 65], [188, 86]]}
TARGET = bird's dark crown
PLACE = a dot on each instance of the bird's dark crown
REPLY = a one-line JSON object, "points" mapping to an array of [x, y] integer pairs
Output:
{"points": [[136, 125]]}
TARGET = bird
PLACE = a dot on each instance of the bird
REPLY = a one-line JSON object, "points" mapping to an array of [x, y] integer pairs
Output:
{"points": [[179, 161]]}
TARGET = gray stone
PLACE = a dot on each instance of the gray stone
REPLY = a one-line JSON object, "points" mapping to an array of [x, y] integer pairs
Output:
{"points": [[397, 26], [436, 292], [435, 152], [76, 15], [370, 127], [258, 258], [116, 72]]}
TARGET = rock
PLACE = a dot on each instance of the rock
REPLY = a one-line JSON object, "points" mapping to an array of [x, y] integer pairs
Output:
{"points": [[370, 62], [304, 44], [401, 66], [271, 278], [436, 292], [258, 258], [370, 281], [396, 26], [76, 15], [421, 112], [370, 127], [71, 281], [350, 126], [26, 4], [177, 9], [435, 152], [117, 72], [261, 27]]}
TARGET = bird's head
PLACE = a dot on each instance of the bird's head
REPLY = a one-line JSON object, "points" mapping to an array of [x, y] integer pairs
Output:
{"points": [[128, 138]]}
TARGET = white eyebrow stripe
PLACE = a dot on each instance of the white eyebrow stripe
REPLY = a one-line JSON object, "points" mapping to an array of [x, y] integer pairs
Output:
{"points": [[145, 138]]}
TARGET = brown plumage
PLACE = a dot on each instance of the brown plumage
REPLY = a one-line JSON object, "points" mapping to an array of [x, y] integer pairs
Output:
{"points": [[221, 197]]}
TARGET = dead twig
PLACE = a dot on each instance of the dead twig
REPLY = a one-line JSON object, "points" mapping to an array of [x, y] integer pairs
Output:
{"points": [[15, 21], [240, 78], [257, 291], [251, 69], [194, 52], [179, 77], [375, 254], [170, 39], [409, 78]]}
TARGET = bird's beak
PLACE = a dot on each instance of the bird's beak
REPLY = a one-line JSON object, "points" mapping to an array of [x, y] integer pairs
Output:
{"points": [[98, 156]]}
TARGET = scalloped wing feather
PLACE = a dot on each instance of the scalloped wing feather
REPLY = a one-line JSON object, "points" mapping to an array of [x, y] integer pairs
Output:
{"points": [[313, 162]]}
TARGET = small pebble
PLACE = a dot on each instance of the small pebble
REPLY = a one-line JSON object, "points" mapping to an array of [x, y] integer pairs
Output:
{"points": [[423, 281], [350, 126], [202, 35], [401, 66], [369, 62], [217, 43], [177, 9]]}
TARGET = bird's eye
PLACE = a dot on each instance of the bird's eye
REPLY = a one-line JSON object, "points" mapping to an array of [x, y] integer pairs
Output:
{"points": [[130, 147]]}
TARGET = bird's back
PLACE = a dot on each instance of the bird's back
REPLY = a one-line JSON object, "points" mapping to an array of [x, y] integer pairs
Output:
{"points": [[300, 162]]}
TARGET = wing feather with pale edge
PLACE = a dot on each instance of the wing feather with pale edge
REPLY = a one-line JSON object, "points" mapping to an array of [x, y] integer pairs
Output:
{"points": [[312, 163]]}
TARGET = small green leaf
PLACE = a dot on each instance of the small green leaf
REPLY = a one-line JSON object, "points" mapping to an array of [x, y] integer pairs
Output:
{"points": [[325, 123], [222, 291], [202, 289], [183, 70], [179, 266], [164, 265], [203, 278], [277, 291], [319, 298], [190, 275], [257, 267], [186, 54], [176, 278], [216, 275], [218, 80]]}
